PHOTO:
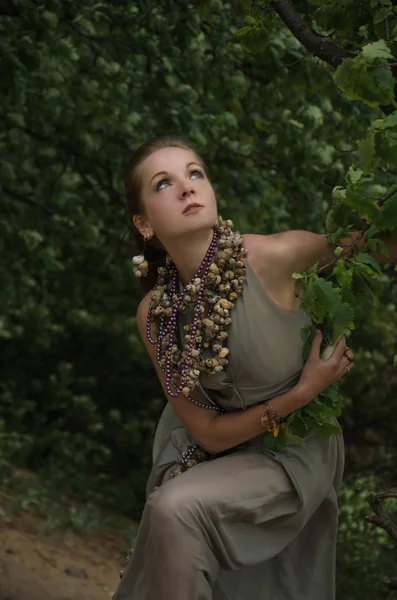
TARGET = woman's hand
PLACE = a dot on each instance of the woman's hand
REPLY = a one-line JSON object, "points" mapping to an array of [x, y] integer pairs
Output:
{"points": [[318, 373]]}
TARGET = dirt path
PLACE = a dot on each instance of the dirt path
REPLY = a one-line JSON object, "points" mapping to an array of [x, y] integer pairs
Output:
{"points": [[34, 565]]}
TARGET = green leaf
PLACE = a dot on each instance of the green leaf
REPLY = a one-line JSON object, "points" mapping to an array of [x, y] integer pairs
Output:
{"points": [[367, 153], [367, 259], [295, 439], [385, 81], [326, 294], [381, 15], [341, 317], [50, 18], [276, 443], [387, 216], [343, 273], [363, 203], [354, 175], [327, 429], [353, 77], [338, 194], [375, 243], [337, 216], [253, 38], [375, 50], [376, 286], [298, 425], [387, 123]]}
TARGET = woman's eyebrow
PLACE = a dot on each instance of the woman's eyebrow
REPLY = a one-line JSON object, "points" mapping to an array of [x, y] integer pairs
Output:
{"points": [[159, 173]]}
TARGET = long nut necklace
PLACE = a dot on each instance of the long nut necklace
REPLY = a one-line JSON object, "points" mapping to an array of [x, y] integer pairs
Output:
{"points": [[170, 329], [218, 282]]}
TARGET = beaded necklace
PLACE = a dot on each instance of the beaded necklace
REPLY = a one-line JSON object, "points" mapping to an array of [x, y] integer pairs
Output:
{"points": [[217, 283], [215, 287]]}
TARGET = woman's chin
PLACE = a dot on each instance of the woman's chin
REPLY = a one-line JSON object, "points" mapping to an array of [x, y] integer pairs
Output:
{"points": [[198, 221]]}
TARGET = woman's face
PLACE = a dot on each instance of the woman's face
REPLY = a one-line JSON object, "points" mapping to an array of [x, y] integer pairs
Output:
{"points": [[172, 180]]}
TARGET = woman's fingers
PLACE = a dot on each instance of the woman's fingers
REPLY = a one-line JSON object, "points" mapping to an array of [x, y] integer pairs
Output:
{"points": [[340, 348], [316, 344]]}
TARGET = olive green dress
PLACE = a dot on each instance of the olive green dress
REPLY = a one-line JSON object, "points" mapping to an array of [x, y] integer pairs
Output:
{"points": [[252, 524]]}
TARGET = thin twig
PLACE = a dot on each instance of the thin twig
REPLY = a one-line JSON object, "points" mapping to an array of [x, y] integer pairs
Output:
{"points": [[382, 519], [346, 252], [123, 238], [382, 200], [28, 200], [340, 149], [373, 67]]}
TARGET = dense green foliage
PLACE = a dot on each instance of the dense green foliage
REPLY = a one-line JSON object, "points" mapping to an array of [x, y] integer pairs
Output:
{"points": [[286, 138], [365, 74]]}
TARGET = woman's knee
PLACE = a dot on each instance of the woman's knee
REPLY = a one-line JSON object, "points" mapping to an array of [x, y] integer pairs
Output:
{"points": [[174, 501]]}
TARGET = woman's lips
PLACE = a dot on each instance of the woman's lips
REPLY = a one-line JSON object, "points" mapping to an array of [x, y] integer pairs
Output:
{"points": [[193, 210]]}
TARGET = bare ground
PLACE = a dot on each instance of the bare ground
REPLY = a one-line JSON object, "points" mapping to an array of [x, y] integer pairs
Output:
{"points": [[34, 564]]}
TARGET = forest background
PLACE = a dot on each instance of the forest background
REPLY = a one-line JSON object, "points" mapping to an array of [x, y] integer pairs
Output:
{"points": [[282, 125]]}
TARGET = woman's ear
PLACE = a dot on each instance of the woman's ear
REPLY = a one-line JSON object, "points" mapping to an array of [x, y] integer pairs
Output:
{"points": [[142, 226]]}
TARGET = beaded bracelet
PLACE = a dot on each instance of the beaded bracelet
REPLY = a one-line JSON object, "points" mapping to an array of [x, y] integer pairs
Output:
{"points": [[270, 420]]}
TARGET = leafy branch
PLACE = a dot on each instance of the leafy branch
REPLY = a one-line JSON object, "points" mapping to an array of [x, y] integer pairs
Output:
{"points": [[383, 520], [349, 251], [319, 45], [49, 212], [348, 63], [331, 302]]}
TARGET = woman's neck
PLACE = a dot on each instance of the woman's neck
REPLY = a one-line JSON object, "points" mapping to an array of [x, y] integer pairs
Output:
{"points": [[188, 253]]}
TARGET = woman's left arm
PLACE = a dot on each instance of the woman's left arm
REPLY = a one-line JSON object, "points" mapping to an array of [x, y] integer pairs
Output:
{"points": [[301, 249]]}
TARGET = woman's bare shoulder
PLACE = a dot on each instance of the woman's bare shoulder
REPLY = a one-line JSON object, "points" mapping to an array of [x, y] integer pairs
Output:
{"points": [[142, 311], [263, 251]]}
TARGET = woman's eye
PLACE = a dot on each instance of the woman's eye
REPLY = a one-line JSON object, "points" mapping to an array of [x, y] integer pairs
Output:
{"points": [[160, 184], [197, 172]]}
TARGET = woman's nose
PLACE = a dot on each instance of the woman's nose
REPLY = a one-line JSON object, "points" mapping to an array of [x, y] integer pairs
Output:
{"points": [[187, 189]]}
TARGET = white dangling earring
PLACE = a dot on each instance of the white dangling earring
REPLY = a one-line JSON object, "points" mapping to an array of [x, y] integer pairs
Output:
{"points": [[141, 265]]}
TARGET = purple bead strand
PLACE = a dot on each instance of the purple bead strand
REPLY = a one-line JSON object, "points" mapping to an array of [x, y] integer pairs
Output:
{"points": [[205, 265], [209, 255]]}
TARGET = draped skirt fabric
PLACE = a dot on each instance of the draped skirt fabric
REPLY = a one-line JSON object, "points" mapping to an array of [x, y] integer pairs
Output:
{"points": [[251, 525]]}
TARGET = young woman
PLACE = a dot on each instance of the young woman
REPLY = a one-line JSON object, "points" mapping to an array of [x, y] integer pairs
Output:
{"points": [[226, 519]]}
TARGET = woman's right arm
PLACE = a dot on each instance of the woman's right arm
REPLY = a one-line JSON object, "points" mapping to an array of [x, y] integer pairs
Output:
{"points": [[215, 432]]}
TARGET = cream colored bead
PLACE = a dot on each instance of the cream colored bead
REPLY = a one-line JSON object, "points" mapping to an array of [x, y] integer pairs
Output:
{"points": [[223, 353], [138, 260]]}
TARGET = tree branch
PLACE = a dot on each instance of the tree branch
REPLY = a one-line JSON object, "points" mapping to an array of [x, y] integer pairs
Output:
{"points": [[382, 519], [318, 45], [28, 200], [382, 200], [372, 67], [346, 252], [123, 238], [391, 584]]}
